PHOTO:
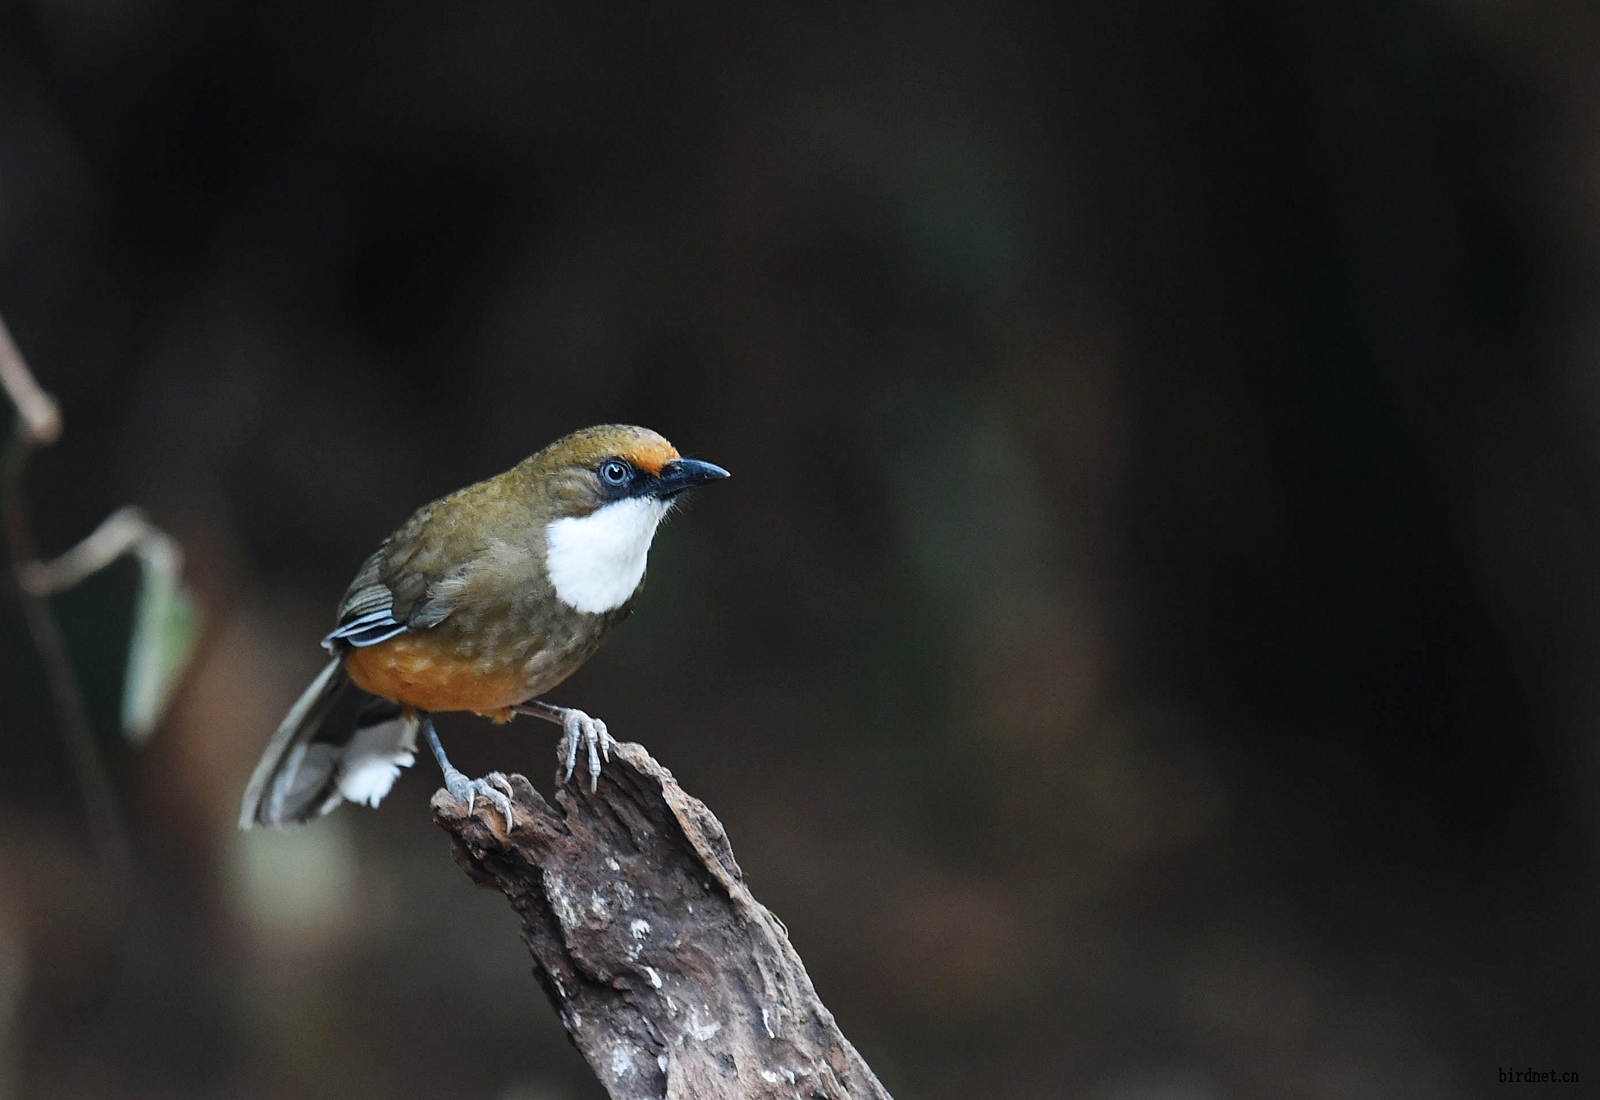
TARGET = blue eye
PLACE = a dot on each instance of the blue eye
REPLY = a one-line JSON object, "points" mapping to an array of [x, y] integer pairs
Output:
{"points": [[616, 472]]}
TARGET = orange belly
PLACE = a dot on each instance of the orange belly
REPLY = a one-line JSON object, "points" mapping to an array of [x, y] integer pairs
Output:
{"points": [[417, 672]]}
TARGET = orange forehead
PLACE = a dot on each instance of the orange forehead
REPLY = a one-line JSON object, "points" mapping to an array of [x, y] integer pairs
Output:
{"points": [[588, 447], [649, 455]]}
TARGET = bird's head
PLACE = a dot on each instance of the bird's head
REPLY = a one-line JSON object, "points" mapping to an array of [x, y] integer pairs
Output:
{"points": [[604, 490]]}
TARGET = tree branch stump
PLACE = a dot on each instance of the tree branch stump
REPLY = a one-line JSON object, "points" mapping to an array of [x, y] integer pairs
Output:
{"points": [[671, 979]]}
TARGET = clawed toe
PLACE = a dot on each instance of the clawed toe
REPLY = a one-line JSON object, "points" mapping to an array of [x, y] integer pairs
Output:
{"points": [[594, 734], [578, 731], [581, 731], [567, 747], [495, 789]]}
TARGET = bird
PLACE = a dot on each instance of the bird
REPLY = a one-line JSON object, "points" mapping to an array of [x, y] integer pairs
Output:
{"points": [[481, 601]]}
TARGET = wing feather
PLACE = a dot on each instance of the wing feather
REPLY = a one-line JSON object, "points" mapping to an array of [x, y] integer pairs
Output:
{"points": [[368, 614]]}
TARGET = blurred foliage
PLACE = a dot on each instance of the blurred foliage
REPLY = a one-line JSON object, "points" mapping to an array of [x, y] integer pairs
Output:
{"points": [[166, 629]]}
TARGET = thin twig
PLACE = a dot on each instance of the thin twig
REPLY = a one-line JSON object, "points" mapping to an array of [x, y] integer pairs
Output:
{"points": [[117, 534], [39, 423], [41, 419]]}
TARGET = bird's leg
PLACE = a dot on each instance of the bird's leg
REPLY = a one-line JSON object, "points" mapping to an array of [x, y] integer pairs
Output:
{"points": [[576, 728], [495, 788]]}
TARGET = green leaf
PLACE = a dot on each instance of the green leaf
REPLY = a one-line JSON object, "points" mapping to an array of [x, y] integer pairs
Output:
{"points": [[166, 625]]}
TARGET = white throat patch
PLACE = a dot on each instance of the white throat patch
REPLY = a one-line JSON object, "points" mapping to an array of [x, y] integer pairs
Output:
{"points": [[596, 561]]}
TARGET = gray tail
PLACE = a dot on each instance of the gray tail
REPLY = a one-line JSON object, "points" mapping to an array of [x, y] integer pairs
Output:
{"points": [[321, 755]]}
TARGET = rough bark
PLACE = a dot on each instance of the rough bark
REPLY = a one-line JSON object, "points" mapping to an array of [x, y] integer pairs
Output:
{"points": [[671, 979]]}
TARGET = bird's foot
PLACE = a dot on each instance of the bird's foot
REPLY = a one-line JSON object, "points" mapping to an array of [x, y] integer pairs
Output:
{"points": [[494, 787], [578, 728]]}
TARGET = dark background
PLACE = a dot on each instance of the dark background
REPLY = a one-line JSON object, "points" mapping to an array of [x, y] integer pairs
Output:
{"points": [[1149, 648]]}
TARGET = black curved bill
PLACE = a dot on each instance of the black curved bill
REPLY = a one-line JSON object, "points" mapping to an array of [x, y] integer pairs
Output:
{"points": [[685, 473]]}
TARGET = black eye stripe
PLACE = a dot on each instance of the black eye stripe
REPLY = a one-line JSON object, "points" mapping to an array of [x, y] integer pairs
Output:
{"points": [[615, 472]]}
